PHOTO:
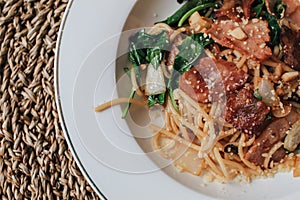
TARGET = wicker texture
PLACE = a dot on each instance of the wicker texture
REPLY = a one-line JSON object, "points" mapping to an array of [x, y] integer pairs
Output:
{"points": [[35, 162]]}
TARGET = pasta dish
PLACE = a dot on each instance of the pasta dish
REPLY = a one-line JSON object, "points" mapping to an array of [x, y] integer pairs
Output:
{"points": [[226, 74]]}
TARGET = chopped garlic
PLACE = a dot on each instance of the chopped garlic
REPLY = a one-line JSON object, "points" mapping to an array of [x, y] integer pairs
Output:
{"points": [[289, 76], [238, 33]]}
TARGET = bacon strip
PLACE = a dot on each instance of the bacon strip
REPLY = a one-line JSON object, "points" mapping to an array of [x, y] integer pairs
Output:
{"points": [[211, 79], [254, 45], [268, 138], [273, 133], [193, 84], [228, 10]]}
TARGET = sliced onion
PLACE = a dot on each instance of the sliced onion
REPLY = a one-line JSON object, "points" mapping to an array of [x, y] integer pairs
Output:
{"points": [[155, 82], [282, 111], [267, 92], [292, 139]]}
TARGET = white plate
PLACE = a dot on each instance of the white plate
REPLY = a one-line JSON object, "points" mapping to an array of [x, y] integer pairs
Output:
{"points": [[110, 151]]}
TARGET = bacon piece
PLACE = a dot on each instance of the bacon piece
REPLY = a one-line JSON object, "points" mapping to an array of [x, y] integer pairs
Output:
{"points": [[278, 155], [274, 133], [293, 116], [211, 78], [232, 77], [291, 47], [247, 7], [228, 10], [229, 14], [228, 4], [295, 16], [192, 83], [253, 46], [244, 111], [293, 11], [291, 6]]}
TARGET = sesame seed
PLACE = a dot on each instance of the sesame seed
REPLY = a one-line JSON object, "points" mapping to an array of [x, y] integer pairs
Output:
{"points": [[262, 45], [239, 9], [245, 21], [188, 82]]}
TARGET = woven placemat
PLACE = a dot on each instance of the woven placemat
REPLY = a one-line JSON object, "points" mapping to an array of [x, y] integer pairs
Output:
{"points": [[35, 162]]}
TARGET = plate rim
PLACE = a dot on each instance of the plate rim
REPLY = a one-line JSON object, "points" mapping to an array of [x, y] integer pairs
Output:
{"points": [[59, 106], [84, 169]]}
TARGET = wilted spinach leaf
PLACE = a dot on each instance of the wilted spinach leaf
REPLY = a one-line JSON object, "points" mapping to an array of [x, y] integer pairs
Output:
{"points": [[147, 48], [260, 10], [174, 19], [126, 109], [190, 12], [275, 30], [154, 56], [257, 95], [280, 8], [257, 7], [190, 50], [153, 99]]}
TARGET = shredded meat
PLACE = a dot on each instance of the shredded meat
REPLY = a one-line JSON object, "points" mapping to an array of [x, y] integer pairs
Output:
{"points": [[244, 111], [274, 132], [254, 45], [210, 78], [291, 47]]}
